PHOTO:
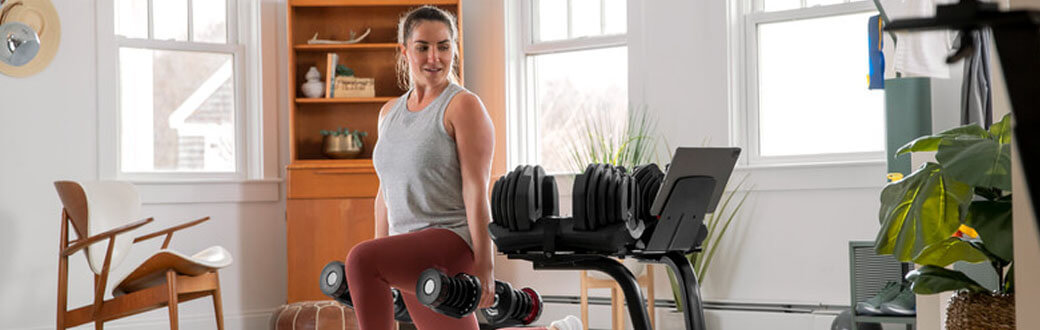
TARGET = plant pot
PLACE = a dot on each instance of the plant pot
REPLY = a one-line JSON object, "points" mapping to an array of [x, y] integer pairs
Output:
{"points": [[341, 147], [980, 311]]}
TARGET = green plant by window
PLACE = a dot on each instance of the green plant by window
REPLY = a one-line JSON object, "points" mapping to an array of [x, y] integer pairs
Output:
{"points": [[931, 217], [601, 143]]}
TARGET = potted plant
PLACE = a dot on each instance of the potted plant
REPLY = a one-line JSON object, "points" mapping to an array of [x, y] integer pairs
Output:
{"points": [[342, 143], [956, 209]]}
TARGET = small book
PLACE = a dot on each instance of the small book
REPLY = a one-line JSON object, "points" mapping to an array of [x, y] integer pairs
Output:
{"points": [[330, 73]]}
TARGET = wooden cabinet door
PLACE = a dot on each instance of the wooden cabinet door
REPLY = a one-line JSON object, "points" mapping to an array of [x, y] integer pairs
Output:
{"points": [[320, 231]]}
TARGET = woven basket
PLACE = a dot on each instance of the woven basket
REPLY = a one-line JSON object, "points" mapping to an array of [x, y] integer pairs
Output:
{"points": [[980, 311]]}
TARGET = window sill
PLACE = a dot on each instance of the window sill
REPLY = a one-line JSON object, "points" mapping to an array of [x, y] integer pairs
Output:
{"points": [[209, 191], [813, 176], [791, 176]]}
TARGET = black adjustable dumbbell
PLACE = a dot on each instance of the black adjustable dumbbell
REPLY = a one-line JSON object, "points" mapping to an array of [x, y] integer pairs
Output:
{"points": [[333, 283], [522, 196], [458, 296]]}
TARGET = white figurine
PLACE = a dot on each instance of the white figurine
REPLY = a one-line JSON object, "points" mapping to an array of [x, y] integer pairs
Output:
{"points": [[313, 88]]}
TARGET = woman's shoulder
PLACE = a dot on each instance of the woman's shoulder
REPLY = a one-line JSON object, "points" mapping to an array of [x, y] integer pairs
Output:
{"points": [[385, 109], [465, 101]]}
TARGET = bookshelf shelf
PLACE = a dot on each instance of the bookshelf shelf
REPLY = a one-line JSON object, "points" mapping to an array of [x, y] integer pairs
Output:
{"points": [[336, 100], [333, 48]]}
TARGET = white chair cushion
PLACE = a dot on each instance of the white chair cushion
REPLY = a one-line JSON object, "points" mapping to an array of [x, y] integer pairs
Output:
{"points": [[153, 270], [110, 204]]}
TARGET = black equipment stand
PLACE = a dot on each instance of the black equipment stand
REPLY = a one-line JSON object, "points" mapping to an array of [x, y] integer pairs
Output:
{"points": [[1017, 36], [691, 187], [693, 313]]}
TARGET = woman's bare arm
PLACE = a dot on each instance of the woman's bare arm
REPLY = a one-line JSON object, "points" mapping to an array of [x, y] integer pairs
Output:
{"points": [[474, 136]]}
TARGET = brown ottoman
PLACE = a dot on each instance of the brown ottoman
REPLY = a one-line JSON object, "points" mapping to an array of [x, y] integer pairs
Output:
{"points": [[314, 315]]}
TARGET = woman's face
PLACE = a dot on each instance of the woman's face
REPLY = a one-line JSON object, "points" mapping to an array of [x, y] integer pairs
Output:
{"points": [[429, 53]]}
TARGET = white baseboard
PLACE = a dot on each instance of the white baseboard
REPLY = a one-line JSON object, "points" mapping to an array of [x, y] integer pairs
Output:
{"points": [[257, 319]]}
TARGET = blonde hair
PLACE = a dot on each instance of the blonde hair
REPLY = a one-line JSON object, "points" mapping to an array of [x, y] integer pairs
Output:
{"points": [[404, 30]]}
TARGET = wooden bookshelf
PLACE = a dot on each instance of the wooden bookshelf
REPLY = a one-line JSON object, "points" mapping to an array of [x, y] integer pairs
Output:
{"points": [[330, 201]]}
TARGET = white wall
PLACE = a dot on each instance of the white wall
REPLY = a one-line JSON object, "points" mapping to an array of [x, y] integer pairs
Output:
{"points": [[792, 244], [48, 129]]}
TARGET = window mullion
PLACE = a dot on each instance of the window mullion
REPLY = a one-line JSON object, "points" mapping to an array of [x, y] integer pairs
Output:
{"points": [[570, 11], [232, 21], [529, 21], [602, 16], [151, 21], [191, 22]]}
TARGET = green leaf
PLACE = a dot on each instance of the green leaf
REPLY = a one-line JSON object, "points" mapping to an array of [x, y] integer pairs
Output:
{"points": [[977, 244], [948, 251], [931, 142], [922, 209], [1009, 282], [977, 162], [993, 222], [1001, 130], [933, 279]]}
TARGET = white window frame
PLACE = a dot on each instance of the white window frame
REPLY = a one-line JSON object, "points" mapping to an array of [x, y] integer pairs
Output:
{"points": [[243, 36], [744, 75], [522, 146]]}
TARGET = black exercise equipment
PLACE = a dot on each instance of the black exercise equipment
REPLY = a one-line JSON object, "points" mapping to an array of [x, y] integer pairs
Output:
{"points": [[333, 282], [650, 215], [457, 296], [1017, 36], [523, 196]]}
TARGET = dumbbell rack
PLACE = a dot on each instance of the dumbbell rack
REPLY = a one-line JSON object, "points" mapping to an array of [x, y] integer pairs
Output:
{"points": [[691, 188], [693, 314]]}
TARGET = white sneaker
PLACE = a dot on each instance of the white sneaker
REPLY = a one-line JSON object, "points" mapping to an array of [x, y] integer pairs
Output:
{"points": [[570, 322]]}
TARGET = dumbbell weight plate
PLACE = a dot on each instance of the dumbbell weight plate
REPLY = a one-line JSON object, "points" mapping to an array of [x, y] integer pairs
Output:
{"points": [[495, 190], [624, 201], [590, 196], [524, 199], [400, 310], [601, 201], [510, 196], [593, 196], [501, 309], [550, 205], [502, 201], [333, 282], [578, 201], [610, 198], [536, 306]]}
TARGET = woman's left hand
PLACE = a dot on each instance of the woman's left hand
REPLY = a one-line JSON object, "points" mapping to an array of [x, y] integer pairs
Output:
{"points": [[486, 274]]}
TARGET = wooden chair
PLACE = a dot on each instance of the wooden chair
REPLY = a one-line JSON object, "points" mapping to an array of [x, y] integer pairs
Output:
{"points": [[104, 212], [617, 297]]}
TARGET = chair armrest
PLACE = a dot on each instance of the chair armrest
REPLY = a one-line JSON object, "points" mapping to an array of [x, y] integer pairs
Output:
{"points": [[80, 244], [169, 231]]}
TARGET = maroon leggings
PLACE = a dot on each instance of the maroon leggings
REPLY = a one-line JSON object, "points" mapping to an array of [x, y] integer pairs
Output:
{"points": [[396, 261]]}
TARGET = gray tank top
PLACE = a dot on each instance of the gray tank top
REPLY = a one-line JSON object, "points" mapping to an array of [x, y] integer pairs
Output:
{"points": [[418, 168]]}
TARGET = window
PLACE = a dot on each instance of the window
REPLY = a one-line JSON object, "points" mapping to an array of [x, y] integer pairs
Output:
{"points": [[176, 99], [806, 89], [569, 70]]}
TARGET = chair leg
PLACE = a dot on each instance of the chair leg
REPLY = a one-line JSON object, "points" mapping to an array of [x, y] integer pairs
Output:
{"points": [[617, 303], [584, 301], [171, 285], [218, 306], [650, 294], [99, 325]]}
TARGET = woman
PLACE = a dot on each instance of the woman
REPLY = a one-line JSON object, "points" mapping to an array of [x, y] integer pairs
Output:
{"points": [[433, 158]]}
